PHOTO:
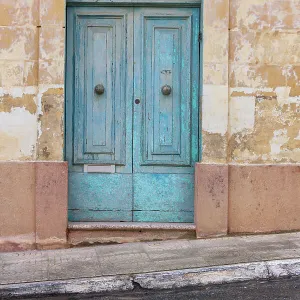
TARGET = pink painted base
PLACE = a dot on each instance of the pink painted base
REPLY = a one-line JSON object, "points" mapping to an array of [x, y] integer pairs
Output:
{"points": [[229, 199], [232, 199], [33, 206]]}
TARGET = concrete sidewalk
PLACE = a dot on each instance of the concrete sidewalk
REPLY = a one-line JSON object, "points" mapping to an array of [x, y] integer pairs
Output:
{"points": [[153, 265]]}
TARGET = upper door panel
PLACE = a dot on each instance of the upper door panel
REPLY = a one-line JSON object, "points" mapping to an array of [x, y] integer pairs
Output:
{"points": [[103, 87], [166, 122]]}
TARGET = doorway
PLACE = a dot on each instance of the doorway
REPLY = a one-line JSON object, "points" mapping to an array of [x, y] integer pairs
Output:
{"points": [[132, 113]]}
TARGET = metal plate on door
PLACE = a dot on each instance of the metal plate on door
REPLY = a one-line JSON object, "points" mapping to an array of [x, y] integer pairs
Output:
{"points": [[99, 169]]}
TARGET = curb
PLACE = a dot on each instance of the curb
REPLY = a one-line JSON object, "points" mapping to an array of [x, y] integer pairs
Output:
{"points": [[158, 280]]}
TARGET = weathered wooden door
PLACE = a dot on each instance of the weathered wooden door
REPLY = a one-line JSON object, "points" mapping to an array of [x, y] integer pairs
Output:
{"points": [[132, 113]]}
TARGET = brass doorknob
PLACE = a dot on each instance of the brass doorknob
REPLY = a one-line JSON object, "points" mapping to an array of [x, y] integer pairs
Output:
{"points": [[166, 90], [99, 89]]}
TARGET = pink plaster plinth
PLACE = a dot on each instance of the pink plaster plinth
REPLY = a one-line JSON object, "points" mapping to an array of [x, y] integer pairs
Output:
{"points": [[51, 203], [211, 199], [264, 198], [17, 208], [33, 205]]}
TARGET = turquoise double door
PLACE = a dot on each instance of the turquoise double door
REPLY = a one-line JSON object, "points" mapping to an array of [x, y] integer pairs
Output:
{"points": [[132, 113]]}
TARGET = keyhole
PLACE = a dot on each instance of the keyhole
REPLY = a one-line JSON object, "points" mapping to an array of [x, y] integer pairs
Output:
{"points": [[137, 101]]}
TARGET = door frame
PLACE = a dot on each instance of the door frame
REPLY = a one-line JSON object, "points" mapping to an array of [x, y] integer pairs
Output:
{"points": [[173, 3], [138, 3]]}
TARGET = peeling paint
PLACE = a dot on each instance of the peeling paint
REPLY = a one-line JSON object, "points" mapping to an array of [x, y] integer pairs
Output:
{"points": [[279, 138], [242, 113], [215, 109], [7, 103], [17, 134], [274, 137], [50, 122], [214, 147], [264, 67]]}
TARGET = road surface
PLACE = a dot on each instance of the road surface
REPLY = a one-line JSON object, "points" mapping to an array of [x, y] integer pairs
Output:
{"points": [[275, 289]]}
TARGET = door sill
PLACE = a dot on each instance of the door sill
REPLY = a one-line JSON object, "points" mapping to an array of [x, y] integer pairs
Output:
{"points": [[94, 226]]}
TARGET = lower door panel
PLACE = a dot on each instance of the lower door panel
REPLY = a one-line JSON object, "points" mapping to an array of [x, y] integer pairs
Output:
{"points": [[163, 198], [100, 197]]}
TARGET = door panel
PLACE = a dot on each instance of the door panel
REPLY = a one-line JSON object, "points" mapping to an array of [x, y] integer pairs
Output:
{"points": [[163, 197], [166, 121], [166, 126], [106, 197], [100, 124]]}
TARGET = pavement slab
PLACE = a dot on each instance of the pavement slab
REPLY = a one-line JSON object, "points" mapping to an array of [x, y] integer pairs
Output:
{"points": [[151, 265]]}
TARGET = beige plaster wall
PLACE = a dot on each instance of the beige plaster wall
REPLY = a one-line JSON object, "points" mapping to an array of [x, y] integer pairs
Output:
{"points": [[31, 79], [264, 77], [251, 72], [215, 81]]}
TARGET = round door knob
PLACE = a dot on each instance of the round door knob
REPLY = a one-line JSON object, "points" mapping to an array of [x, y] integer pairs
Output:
{"points": [[99, 89], [166, 90]]}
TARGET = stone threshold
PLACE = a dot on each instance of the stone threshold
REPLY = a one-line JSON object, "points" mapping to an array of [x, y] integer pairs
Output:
{"points": [[94, 226]]}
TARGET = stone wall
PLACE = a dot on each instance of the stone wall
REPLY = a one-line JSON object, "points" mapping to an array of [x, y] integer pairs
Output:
{"points": [[251, 75], [264, 78], [31, 79], [262, 54]]}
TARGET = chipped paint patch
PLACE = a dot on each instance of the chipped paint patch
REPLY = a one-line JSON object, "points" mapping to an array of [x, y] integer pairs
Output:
{"points": [[7, 103], [279, 139], [214, 147], [50, 122], [273, 137], [18, 43], [241, 113], [18, 123], [215, 109], [18, 134]]}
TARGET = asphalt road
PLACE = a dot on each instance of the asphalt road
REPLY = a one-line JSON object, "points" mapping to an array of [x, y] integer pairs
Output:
{"points": [[260, 290]]}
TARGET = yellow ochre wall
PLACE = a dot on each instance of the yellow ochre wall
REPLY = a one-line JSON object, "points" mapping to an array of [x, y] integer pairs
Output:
{"points": [[31, 79], [258, 65], [251, 80]]}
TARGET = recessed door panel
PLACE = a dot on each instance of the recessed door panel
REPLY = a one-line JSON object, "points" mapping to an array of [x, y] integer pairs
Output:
{"points": [[166, 82], [166, 122], [99, 121], [100, 124]]}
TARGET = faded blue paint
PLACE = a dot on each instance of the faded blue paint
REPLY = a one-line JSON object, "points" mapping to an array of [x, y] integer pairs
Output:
{"points": [[154, 144], [106, 197], [101, 122], [163, 197]]}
